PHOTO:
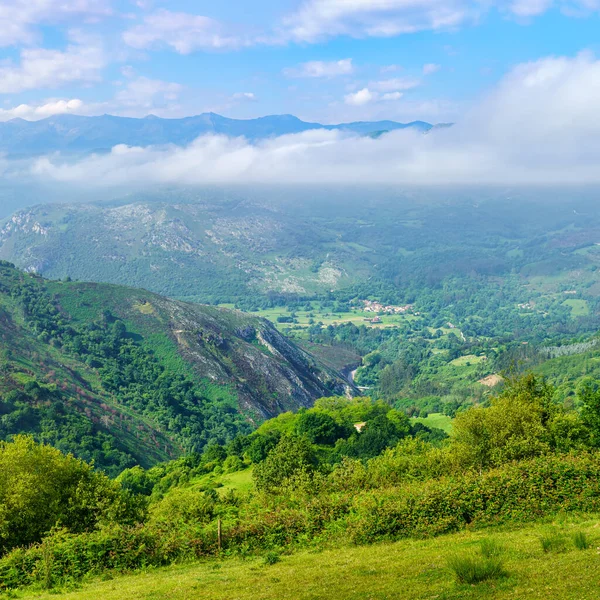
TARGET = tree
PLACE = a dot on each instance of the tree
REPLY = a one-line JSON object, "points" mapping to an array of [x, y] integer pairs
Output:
{"points": [[521, 423], [41, 488], [589, 394], [292, 456], [318, 427], [262, 445]]}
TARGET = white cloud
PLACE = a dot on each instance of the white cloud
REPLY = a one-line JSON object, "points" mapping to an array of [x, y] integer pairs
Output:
{"points": [[392, 96], [183, 32], [139, 97], [529, 8], [43, 68], [318, 19], [318, 68], [360, 98], [431, 68], [390, 69], [384, 91], [18, 18], [395, 85], [244, 96], [32, 112], [143, 94], [538, 126], [128, 71]]}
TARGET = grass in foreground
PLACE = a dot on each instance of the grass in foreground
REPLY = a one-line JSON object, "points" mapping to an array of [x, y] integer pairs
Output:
{"points": [[406, 570]]}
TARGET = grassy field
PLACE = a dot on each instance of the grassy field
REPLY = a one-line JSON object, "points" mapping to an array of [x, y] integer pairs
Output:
{"points": [[469, 359], [240, 481], [438, 420], [579, 308], [305, 318], [407, 570]]}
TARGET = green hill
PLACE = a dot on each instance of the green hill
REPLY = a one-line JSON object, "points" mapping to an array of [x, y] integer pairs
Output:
{"points": [[123, 376]]}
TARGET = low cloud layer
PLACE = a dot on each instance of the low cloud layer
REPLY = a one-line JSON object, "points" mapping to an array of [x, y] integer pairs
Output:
{"points": [[539, 125]]}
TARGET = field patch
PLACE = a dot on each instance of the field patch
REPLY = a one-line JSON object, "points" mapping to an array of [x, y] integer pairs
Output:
{"points": [[439, 420], [491, 380], [468, 360], [579, 307]]}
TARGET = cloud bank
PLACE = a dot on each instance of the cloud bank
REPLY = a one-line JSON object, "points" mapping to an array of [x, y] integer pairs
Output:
{"points": [[538, 126]]}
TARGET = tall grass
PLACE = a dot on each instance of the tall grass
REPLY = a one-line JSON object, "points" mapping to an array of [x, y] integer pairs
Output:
{"points": [[473, 569], [490, 548], [580, 540], [552, 542]]}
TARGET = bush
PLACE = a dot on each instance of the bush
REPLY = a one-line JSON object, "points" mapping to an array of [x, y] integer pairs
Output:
{"points": [[472, 569], [519, 492], [184, 506], [303, 512], [292, 456], [232, 464]]}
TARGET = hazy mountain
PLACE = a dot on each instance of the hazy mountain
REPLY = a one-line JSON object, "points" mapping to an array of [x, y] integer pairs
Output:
{"points": [[78, 134]]}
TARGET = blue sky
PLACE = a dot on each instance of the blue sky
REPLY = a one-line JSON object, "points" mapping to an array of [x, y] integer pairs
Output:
{"points": [[323, 60]]}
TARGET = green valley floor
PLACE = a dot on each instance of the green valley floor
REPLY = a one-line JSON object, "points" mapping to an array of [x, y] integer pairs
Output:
{"points": [[406, 570]]}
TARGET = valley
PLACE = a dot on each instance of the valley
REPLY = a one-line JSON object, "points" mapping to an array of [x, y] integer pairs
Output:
{"points": [[299, 300], [312, 380]]}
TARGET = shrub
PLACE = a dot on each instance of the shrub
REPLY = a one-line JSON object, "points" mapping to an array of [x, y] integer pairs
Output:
{"points": [[519, 492], [303, 512], [292, 455], [184, 506], [472, 569], [580, 540], [232, 464]]}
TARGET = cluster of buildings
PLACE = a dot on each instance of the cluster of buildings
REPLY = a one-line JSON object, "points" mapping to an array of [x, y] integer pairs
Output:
{"points": [[377, 307], [525, 306]]}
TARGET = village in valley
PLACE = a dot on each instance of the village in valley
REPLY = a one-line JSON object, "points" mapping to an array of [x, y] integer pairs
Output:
{"points": [[372, 313], [372, 306]]}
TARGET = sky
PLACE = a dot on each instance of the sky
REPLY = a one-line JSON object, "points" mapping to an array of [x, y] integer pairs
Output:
{"points": [[321, 60]]}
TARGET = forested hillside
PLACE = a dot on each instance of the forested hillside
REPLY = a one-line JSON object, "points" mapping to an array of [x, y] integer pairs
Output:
{"points": [[266, 246], [125, 377]]}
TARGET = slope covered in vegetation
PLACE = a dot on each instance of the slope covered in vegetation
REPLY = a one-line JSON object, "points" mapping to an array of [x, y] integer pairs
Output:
{"points": [[125, 377]]}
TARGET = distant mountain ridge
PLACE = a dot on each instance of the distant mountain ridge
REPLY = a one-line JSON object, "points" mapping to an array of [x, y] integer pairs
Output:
{"points": [[80, 134]]}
